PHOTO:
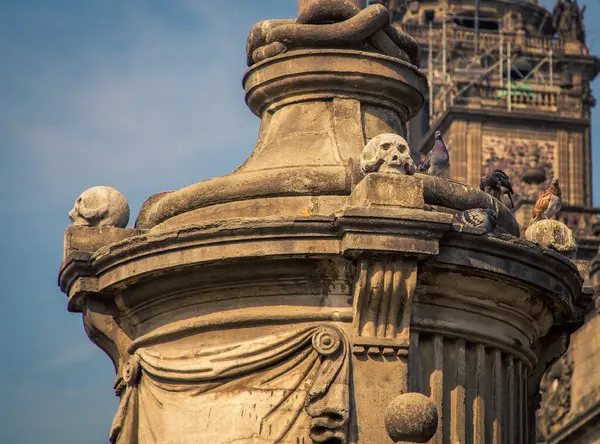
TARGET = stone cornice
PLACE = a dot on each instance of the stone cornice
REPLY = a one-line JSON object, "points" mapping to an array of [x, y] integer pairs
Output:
{"points": [[299, 75], [268, 237], [577, 425], [487, 115], [553, 273], [359, 231]]}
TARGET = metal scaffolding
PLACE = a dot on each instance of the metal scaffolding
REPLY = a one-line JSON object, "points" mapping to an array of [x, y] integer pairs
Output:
{"points": [[473, 64]]}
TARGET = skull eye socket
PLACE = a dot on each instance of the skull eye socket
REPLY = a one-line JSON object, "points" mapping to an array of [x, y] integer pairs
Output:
{"points": [[402, 148], [385, 146]]}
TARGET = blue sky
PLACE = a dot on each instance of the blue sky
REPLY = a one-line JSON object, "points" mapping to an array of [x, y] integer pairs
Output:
{"points": [[141, 95]]}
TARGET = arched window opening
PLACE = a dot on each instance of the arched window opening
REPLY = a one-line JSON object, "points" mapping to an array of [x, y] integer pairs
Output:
{"points": [[467, 20]]}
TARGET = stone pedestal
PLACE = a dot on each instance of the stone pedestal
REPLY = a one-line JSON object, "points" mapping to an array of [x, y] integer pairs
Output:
{"points": [[299, 300], [304, 326]]}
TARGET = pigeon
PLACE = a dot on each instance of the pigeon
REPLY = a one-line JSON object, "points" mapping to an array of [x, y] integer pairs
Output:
{"points": [[437, 162], [548, 202], [480, 218], [497, 183]]}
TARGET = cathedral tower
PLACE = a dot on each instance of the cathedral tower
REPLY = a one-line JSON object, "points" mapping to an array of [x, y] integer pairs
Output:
{"points": [[510, 89]]}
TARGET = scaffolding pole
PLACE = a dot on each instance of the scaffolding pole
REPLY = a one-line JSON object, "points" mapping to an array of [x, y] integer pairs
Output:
{"points": [[430, 72], [551, 68], [476, 20], [501, 58], [509, 79], [534, 71], [444, 68], [444, 82], [478, 79]]}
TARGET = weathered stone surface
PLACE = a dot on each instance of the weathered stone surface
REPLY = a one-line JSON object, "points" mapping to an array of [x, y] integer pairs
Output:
{"points": [[100, 207], [332, 24], [387, 153], [183, 291], [411, 417], [386, 189], [585, 352], [459, 196], [298, 153], [90, 239], [297, 300], [553, 234]]}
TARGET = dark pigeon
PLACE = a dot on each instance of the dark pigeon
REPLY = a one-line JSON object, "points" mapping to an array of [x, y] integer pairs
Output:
{"points": [[496, 183]]}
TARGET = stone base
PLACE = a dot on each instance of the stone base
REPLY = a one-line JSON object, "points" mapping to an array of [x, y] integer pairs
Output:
{"points": [[384, 189]]}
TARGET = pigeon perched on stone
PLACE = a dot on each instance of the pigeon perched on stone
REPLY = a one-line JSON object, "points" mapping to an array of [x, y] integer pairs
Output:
{"points": [[548, 203], [496, 183], [478, 218], [437, 162]]}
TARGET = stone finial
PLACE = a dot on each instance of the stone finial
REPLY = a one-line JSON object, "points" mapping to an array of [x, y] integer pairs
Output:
{"points": [[100, 207], [411, 417], [553, 234], [387, 153]]}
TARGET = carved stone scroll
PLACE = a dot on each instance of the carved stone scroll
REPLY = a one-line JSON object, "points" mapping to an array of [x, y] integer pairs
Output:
{"points": [[285, 387]]}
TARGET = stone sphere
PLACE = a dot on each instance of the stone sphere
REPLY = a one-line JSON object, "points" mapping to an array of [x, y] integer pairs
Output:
{"points": [[553, 234], [411, 417]]}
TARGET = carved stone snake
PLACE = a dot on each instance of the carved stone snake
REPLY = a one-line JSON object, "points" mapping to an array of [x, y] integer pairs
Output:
{"points": [[332, 24]]}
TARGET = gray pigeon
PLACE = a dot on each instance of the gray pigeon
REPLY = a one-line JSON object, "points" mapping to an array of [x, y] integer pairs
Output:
{"points": [[437, 162], [479, 218]]}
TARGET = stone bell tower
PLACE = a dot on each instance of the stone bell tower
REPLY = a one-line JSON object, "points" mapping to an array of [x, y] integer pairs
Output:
{"points": [[510, 89], [323, 292]]}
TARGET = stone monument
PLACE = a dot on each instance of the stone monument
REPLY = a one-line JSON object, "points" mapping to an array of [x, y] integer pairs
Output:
{"points": [[323, 291]]}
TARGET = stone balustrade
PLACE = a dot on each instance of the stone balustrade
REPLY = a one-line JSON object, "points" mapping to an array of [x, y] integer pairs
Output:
{"points": [[487, 39]]}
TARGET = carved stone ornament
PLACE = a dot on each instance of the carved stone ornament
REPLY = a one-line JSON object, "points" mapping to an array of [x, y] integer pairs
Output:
{"points": [[556, 396], [100, 207], [411, 417], [287, 387], [387, 153], [383, 299], [331, 24], [567, 18]]}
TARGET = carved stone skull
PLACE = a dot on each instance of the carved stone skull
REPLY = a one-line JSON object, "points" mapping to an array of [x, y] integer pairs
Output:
{"points": [[387, 153], [100, 207]]}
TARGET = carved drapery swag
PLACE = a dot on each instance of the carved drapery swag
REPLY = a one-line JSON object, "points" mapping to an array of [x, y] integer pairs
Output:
{"points": [[279, 388]]}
